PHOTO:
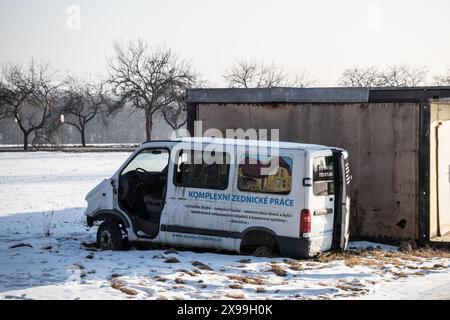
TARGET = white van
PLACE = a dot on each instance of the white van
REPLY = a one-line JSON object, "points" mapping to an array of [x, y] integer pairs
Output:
{"points": [[226, 194]]}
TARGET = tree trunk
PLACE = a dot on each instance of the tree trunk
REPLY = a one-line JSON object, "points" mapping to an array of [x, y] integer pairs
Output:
{"points": [[25, 141], [148, 125], [83, 138]]}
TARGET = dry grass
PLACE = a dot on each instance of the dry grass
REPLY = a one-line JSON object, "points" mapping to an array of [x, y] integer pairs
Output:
{"points": [[160, 279], [235, 295], [179, 281], [128, 291], [433, 267], [246, 279], [428, 252], [398, 275], [171, 250], [236, 286], [378, 258], [296, 267], [201, 265], [278, 270], [354, 287], [119, 285], [172, 260], [116, 283], [189, 272], [260, 290], [245, 260]]}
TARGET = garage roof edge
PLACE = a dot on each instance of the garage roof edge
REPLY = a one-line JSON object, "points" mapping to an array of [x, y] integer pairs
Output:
{"points": [[315, 95], [277, 95]]}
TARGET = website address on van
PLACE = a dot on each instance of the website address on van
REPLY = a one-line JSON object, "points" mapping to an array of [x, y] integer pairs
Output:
{"points": [[265, 200], [196, 237]]}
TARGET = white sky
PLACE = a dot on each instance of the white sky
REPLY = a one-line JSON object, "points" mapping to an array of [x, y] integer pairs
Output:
{"points": [[323, 36]]}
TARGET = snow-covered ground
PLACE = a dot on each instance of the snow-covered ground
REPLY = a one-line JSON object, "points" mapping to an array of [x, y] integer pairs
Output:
{"points": [[44, 193]]}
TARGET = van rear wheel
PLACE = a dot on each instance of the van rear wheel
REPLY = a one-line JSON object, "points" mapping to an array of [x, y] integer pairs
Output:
{"points": [[264, 252], [259, 243], [109, 236]]}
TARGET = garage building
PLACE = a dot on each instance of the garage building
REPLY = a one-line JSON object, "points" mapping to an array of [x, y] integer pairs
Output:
{"points": [[398, 140]]}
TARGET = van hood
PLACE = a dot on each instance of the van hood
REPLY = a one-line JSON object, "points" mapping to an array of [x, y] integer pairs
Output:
{"points": [[100, 197]]}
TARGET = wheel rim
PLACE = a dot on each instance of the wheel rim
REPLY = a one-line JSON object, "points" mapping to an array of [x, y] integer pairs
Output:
{"points": [[106, 239]]}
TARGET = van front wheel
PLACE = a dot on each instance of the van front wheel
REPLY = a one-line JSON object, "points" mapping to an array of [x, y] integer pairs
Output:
{"points": [[109, 236]]}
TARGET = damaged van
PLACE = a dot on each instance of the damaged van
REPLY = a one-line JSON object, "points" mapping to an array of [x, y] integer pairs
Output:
{"points": [[226, 194]]}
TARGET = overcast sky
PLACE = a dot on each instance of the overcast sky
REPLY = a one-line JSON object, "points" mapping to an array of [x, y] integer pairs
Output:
{"points": [[324, 36]]}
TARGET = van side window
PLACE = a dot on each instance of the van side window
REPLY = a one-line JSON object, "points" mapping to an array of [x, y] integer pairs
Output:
{"points": [[202, 169], [323, 174], [265, 174]]}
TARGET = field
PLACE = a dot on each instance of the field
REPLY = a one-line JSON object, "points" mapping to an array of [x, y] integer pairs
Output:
{"points": [[46, 252]]}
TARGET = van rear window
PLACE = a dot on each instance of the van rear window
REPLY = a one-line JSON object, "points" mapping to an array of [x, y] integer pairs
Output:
{"points": [[265, 174], [323, 176], [202, 169]]}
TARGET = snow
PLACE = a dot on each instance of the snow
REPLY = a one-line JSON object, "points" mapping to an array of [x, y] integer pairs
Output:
{"points": [[363, 245], [42, 256]]}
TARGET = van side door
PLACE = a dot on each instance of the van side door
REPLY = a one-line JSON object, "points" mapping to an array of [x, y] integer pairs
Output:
{"points": [[266, 196], [321, 198], [199, 198]]}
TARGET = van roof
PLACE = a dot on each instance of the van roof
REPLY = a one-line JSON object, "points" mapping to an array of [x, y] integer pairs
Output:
{"points": [[250, 143]]}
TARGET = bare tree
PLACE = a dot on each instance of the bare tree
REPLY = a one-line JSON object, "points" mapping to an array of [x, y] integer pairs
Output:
{"points": [[403, 76], [360, 77], [145, 76], [174, 114], [391, 76], [443, 79], [251, 73], [83, 102], [3, 102], [30, 95], [48, 133]]}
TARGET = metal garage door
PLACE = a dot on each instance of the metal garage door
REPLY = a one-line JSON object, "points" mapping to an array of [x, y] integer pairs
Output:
{"points": [[443, 165]]}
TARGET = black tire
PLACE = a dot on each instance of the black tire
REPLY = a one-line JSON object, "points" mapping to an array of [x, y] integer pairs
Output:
{"points": [[264, 252], [109, 236], [259, 244]]}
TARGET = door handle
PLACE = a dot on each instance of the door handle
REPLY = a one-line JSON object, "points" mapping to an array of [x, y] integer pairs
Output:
{"points": [[322, 212]]}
